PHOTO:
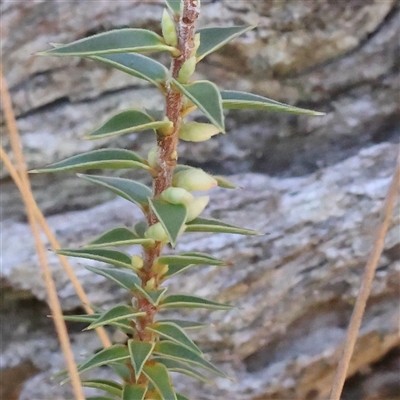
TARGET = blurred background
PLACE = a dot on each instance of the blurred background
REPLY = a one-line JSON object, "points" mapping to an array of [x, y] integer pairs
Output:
{"points": [[314, 184]]}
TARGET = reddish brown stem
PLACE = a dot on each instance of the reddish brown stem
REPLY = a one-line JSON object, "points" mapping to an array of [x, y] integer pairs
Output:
{"points": [[167, 152]]}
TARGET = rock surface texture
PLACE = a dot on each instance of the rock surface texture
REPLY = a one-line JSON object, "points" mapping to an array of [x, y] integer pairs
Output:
{"points": [[313, 186]]}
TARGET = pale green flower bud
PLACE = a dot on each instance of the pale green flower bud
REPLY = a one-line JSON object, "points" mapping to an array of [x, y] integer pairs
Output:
{"points": [[196, 44], [194, 179], [176, 195], [152, 157], [157, 233], [169, 29], [196, 207], [197, 131], [137, 262], [187, 70], [159, 269], [150, 284]]}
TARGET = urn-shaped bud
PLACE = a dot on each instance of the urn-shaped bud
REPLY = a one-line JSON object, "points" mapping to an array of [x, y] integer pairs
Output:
{"points": [[177, 195], [169, 29], [187, 70], [196, 44], [152, 157], [137, 262], [196, 207], [157, 233], [194, 179], [150, 284], [197, 131]]}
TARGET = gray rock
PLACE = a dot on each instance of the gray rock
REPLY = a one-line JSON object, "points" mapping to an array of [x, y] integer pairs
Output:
{"points": [[293, 287]]}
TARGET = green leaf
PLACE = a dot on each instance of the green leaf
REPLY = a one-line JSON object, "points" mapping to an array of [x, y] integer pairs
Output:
{"points": [[185, 301], [232, 99], [114, 41], [154, 296], [180, 397], [206, 96], [98, 398], [128, 189], [98, 159], [112, 257], [140, 353], [174, 6], [158, 376], [89, 318], [182, 368], [184, 259], [117, 313], [136, 65], [123, 277], [140, 228], [134, 392], [177, 352], [216, 226], [126, 122], [115, 353], [119, 237], [185, 324], [224, 183], [211, 39], [174, 333], [171, 216], [102, 384]]}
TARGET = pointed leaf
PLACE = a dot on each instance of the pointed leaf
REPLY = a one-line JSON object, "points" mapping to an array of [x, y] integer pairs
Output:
{"points": [[117, 313], [119, 237], [174, 333], [206, 96], [89, 318], [232, 99], [184, 259], [98, 159], [174, 6], [128, 189], [112, 257], [224, 183], [98, 398], [171, 216], [102, 384], [216, 226], [211, 39], [140, 353], [154, 296], [185, 324], [114, 41], [115, 353], [185, 301], [126, 122], [177, 352], [136, 65], [140, 228], [134, 392], [180, 397], [158, 376], [182, 368], [123, 277]]}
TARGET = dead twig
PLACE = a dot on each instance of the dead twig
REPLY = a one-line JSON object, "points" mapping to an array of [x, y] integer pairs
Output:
{"points": [[366, 284], [26, 193]]}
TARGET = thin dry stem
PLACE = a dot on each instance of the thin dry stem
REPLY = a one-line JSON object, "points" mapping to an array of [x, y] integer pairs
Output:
{"points": [[366, 284], [55, 246], [54, 303]]}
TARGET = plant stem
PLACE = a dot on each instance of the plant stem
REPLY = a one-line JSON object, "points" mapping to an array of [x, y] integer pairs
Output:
{"points": [[167, 152]]}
